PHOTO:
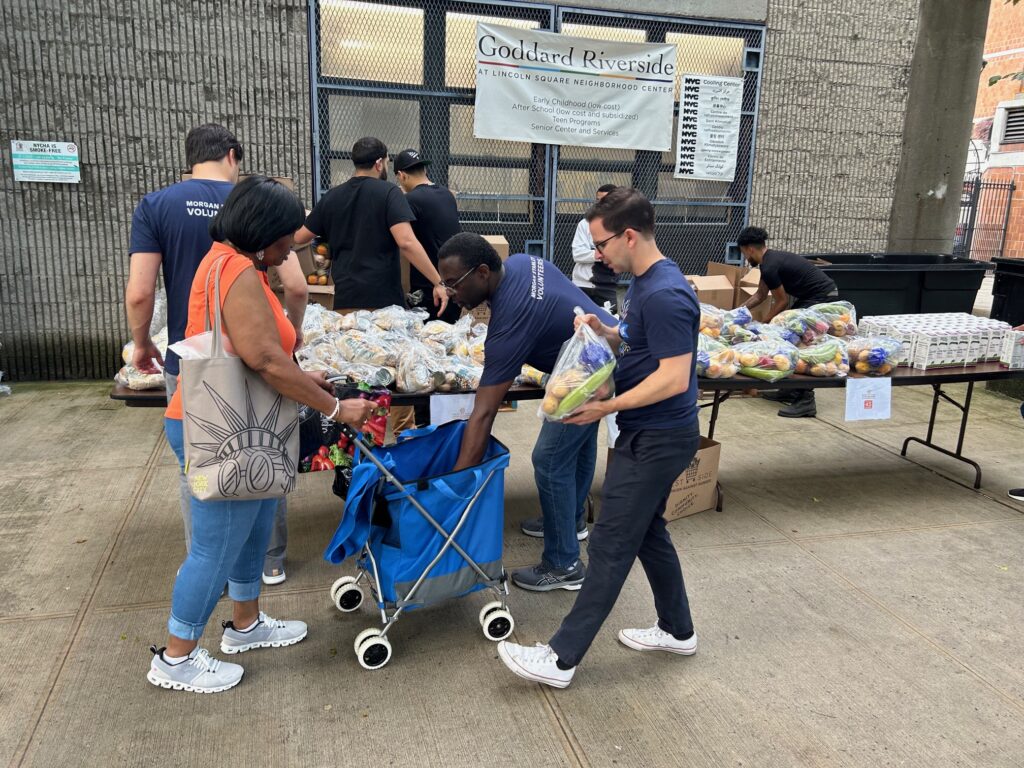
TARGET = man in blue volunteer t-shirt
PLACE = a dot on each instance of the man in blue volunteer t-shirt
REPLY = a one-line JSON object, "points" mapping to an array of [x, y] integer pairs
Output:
{"points": [[656, 401], [170, 233], [532, 310]]}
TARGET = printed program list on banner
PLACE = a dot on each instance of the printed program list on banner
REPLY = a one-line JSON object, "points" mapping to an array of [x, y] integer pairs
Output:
{"points": [[868, 399], [709, 127]]}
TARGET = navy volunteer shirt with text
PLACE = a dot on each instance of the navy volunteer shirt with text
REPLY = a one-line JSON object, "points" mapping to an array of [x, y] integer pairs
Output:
{"points": [[174, 222], [531, 317], [660, 318]]}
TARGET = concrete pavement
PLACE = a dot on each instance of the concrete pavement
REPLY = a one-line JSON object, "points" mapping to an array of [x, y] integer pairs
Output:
{"points": [[854, 609]]}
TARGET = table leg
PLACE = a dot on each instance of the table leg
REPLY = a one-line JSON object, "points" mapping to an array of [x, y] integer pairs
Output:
{"points": [[965, 410]]}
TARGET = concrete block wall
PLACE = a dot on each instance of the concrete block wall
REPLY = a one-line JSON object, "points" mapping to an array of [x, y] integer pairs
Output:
{"points": [[125, 81], [833, 102]]}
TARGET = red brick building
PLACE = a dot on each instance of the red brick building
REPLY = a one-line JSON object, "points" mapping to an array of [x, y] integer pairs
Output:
{"points": [[997, 146]]}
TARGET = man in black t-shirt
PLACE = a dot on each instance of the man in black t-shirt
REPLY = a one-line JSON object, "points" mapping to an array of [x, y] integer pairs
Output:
{"points": [[437, 221], [367, 224], [795, 283]]}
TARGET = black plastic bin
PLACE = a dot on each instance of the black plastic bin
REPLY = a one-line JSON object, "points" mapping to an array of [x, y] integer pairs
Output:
{"points": [[904, 283], [1008, 291]]}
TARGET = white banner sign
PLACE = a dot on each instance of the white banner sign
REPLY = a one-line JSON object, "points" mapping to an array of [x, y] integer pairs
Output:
{"points": [[52, 161], [547, 88], [445, 408], [709, 127]]}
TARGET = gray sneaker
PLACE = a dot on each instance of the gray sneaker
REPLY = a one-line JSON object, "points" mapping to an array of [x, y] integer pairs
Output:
{"points": [[535, 528], [266, 633], [544, 578], [198, 673]]}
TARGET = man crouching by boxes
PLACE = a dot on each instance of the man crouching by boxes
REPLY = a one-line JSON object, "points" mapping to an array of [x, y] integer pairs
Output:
{"points": [[659, 436]]}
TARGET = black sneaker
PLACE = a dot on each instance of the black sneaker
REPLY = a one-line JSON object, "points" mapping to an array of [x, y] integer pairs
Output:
{"points": [[1017, 494], [801, 408], [535, 528], [544, 578]]}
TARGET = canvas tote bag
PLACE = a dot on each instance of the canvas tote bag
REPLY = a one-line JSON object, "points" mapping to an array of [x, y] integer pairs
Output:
{"points": [[241, 436]]}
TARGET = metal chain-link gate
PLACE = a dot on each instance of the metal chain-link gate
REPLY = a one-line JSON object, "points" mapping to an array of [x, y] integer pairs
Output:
{"points": [[404, 71]]}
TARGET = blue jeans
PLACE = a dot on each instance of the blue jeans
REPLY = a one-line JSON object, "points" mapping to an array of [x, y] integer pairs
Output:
{"points": [[229, 540], [563, 466]]}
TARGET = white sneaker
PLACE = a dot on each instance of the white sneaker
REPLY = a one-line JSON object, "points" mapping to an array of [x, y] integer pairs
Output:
{"points": [[198, 673], [536, 663], [276, 576], [657, 639], [265, 633]]}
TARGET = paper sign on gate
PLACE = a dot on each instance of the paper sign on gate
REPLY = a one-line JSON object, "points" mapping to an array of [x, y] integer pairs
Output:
{"points": [[868, 399], [445, 408]]}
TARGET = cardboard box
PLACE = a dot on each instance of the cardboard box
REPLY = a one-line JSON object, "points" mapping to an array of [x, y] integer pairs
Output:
{"points": [[733, 273], [751, 278], [322, 295], [305, 257], [716, 290], [696, 489], [498, 243]]}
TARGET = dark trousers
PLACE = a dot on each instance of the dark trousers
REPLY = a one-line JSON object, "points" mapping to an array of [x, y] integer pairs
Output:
{"points": [[600, 295], [632, 525]]}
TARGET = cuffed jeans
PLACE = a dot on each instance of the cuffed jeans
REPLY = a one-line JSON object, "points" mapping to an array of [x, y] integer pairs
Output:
{"points": [[564, 458], [632, 525], [229, 539], [278, 546]]}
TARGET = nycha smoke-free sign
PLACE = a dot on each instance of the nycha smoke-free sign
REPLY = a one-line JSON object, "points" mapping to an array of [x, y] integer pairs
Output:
{"points": [[547, 88]]}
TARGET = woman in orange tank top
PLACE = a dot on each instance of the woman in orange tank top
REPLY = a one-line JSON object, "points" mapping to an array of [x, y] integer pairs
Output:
{"points": [[253, 230]]}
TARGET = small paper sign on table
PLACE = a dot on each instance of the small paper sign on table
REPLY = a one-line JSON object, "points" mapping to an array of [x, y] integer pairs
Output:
{"points": [[445, 408], [868, 399]]}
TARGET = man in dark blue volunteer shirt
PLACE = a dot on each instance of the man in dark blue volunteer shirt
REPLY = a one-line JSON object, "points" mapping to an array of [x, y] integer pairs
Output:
{"points": [[170, 233], [532, 311], [656, 401]]}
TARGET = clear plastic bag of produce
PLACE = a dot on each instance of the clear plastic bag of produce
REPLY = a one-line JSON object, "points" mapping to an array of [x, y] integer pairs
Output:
{"points": [[841, 317], [356, 373], [583, 371], [131, 377], [367, 347], [396, 318], [801, 326], [419, 371], [472, 348], [714, 359], [159, 339], [711, 320], [360, 320], [825, 358], [873, 355], [319, 321], [531, 377], [460, 375], [770, 359]]}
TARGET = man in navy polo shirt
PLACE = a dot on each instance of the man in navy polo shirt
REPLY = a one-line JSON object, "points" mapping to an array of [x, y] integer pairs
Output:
{"points": [[659, 436], [532, 311]]}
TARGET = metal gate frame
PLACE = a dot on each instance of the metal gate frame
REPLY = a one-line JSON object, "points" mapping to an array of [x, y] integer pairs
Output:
{"points": [[547, 201]]}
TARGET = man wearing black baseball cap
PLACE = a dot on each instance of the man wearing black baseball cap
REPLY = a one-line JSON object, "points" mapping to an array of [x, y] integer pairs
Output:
{"points": [[366, 223], [437, 220]]}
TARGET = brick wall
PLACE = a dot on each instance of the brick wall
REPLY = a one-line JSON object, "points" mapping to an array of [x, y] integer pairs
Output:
{"points": [[831, 123], [125, 81], [1005, 33]]}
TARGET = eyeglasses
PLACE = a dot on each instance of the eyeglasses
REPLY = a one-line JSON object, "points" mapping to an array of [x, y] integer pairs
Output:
{"points": [[451, 287], [599, 247]]}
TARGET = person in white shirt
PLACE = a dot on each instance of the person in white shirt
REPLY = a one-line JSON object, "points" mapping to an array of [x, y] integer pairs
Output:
{"points": [[592, 276]]}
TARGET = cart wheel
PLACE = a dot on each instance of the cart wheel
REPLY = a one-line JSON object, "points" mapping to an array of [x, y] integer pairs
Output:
{"points": [[374, 652], [371, 632], [337, 585], [348, 598], [499, 625], [494, 605]]}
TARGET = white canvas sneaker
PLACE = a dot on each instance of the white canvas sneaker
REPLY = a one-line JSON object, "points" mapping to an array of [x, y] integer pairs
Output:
{"points": [[536, 663], [265, 633], [198, 673], [657, 639]]}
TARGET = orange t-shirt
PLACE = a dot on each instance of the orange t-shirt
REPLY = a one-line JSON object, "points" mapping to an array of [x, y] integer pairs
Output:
{"points": [[233, 265]]}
